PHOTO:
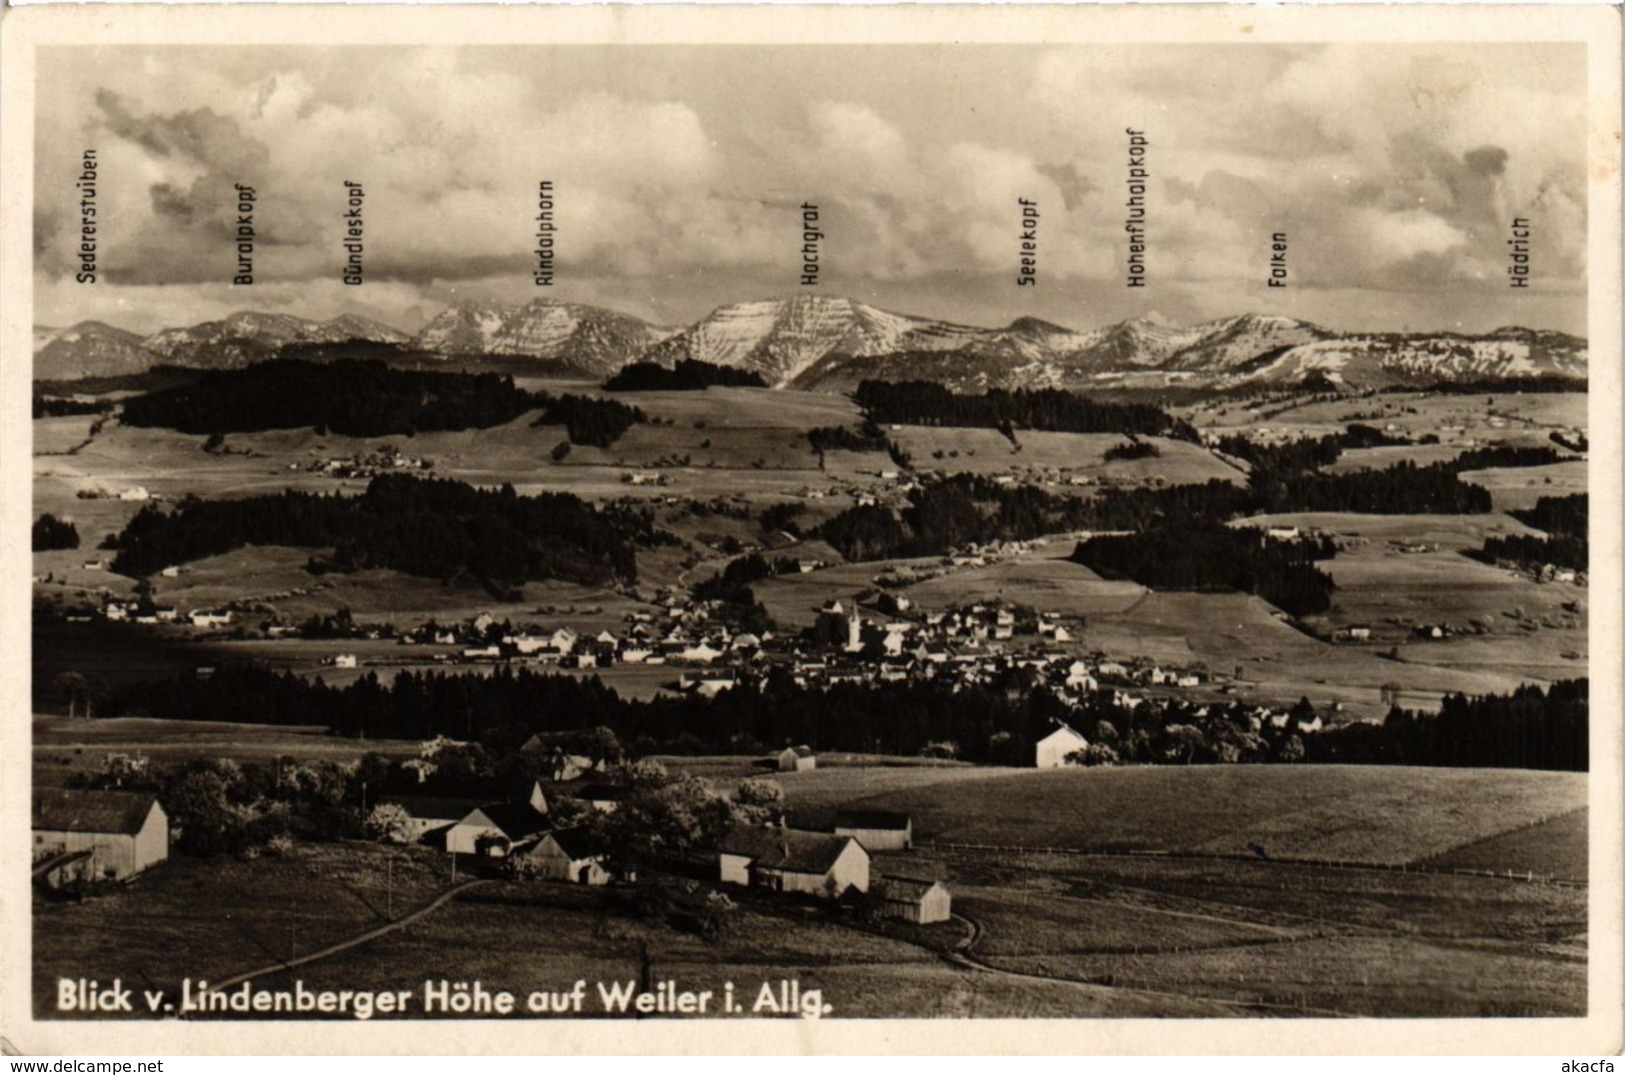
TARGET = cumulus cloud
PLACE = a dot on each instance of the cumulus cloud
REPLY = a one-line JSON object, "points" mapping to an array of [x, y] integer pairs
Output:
{"points": [[678, 174]]}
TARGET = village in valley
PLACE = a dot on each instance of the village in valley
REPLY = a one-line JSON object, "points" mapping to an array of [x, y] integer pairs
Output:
{"points": [[570, 522], [775, 731]]}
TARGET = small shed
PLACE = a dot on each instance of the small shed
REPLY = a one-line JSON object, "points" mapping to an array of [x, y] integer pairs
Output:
{"points": [[797, 759], [913, 900], [97, 835], [876, 830]]}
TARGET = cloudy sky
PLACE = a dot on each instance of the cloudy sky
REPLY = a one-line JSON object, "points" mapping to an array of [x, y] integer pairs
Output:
{"points": [[1394, 170]]}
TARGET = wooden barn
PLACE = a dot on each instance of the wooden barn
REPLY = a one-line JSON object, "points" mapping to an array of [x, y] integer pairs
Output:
{"points": [[97, 835], [876, 830], [789, 860], [573, 855], [913, 900], [495, 829], [1050, 752], [797, 759], [431, 816]]}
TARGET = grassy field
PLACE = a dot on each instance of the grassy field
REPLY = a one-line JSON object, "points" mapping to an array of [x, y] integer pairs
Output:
{"points": [[1037, 934], [1517, 488], [1386, 815], [1555, 848], [1046, 581], [64, 747], [955, 450], [545, 937], [212, 918], [1508, 627]]}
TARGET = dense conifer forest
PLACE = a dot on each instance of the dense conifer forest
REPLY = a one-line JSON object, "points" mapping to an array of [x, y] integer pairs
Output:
{"points": [[689, 375], [433, 528], [598, 422], [994, 724], [1566, 520], [1050, 409], [1282, 572], [350, 398]]}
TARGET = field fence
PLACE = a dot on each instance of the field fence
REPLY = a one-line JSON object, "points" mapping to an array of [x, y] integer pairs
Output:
{"points": [[1527, 876]]}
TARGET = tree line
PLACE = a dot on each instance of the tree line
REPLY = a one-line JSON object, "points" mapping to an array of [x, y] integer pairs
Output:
{"points": [[953, 512], [1566, 543], [586, 420], [867, 437], [1282, 572], [1531, 728], [53, 533], [435, 528], [1049, 409], [347, 397], [688, 375], [998, 722], [61, 407]]}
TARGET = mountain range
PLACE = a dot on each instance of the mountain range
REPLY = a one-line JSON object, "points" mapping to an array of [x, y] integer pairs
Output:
{"points": [[830, 344]]}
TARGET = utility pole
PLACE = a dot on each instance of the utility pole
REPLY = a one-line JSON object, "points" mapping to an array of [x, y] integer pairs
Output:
{"points": [[389, 888]]}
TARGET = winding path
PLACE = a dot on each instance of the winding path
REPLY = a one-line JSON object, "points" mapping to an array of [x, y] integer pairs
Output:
{"points": [[351, 942]]}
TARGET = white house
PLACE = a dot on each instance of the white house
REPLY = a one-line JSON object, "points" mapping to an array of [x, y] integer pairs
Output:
{"points": [[1050, 752], [1078, 677], [700, 653], [97, 835]]}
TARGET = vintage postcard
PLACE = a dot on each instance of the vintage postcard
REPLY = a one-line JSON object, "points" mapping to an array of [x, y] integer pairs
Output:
{"points": [[930, 529]]}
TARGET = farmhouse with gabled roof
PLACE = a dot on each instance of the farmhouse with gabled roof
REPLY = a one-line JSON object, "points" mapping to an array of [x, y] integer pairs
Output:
{"points": [[789, 860], [1051, 751], [97, 835], [877, 830]]}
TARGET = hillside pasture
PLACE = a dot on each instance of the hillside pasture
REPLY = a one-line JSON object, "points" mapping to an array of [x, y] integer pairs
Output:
{"points": [[794, 600], [1054, 585], [1177, 462], [85, 742], [1382, 815], [1506, 625], [1238, 636], [495, 937], [61, 434], [1518, 488], [1553, 848], [957, 450], [216, 917]]}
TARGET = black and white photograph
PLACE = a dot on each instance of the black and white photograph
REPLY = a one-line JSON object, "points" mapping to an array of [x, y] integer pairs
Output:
{"points": [[812, 517]]}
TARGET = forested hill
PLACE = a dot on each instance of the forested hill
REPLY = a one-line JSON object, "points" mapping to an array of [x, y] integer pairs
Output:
{"points": [[1049, 409], [361, 399], [432, 528], [689, 375]]}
